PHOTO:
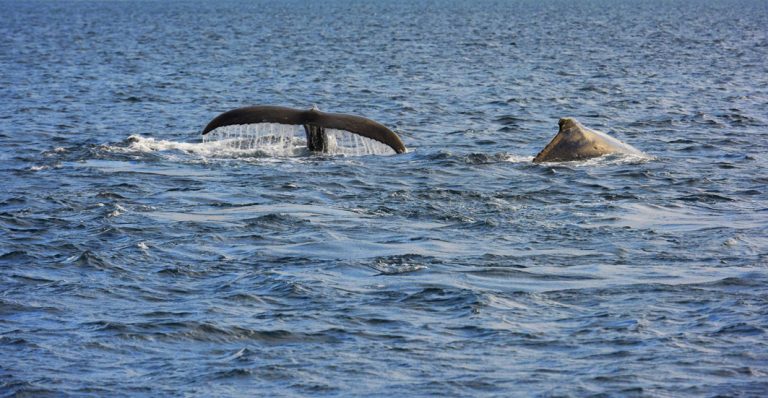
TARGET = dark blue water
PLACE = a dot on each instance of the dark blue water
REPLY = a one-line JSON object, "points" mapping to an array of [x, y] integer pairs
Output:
{"points": [[136, 260]]}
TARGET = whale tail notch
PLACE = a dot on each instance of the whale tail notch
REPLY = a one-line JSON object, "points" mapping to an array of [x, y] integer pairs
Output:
{"points": [[315, 124]]}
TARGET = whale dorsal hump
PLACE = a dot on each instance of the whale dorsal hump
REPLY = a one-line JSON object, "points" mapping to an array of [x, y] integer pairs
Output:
{"points": [[576, 142]]}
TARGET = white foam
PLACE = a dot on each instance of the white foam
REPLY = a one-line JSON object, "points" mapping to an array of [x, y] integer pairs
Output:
{"points": [[614, 159], [259, 140], [518, 159], [605, 160]]}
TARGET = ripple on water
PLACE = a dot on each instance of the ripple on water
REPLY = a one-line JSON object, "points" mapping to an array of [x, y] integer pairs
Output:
{"points": [[138, 258]]}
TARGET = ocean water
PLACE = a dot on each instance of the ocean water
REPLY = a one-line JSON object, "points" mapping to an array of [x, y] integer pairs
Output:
{"points": [[137, 259]]}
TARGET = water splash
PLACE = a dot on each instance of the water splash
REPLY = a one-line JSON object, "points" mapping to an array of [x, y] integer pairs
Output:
{"points": [[220, 148], [256, 141], [341, 142], [517, 158], [614, 159], [270, 139], [289, 140]]}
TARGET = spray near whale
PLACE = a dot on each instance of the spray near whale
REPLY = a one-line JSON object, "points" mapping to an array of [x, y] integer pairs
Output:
{"points": [[315, 124]]}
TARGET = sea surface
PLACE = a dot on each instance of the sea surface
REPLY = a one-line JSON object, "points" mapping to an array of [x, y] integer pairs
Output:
{"points": [[137, 259]]}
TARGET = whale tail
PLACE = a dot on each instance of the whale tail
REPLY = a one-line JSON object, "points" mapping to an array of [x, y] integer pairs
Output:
{"points": [[315, 124]]}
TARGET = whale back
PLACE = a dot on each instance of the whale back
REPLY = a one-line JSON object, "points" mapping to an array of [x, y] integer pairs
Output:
{"points": [[576, 142], [277, 114]]}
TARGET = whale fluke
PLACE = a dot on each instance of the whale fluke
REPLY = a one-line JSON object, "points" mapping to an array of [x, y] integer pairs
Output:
{"points": [[314, 122], [576, 142]]}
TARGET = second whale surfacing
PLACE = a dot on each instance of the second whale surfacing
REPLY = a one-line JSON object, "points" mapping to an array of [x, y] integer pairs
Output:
{"points": [[314, 122], [576, 142]]}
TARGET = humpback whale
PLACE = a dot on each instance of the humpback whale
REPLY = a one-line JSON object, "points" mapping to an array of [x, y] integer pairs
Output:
{"points": [[314, 122], [576, 142]]}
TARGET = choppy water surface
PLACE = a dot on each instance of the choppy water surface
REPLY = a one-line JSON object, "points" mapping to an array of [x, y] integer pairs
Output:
{"points": [[136, 259]]}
